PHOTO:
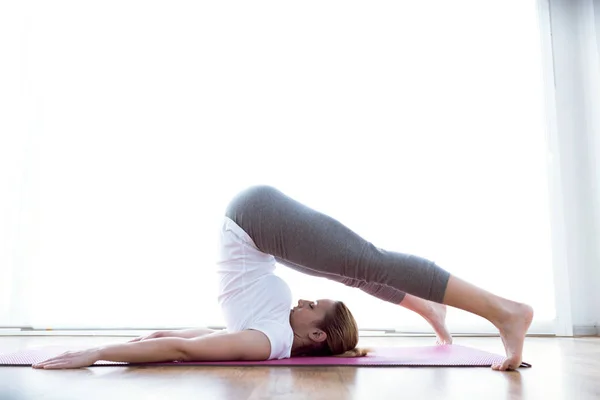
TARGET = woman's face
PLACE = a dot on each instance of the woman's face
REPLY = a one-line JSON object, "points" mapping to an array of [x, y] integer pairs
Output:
{"points": [[308, 314]]}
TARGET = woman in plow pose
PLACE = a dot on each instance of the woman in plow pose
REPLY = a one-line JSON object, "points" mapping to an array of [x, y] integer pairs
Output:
{"points": [[262, 227]]}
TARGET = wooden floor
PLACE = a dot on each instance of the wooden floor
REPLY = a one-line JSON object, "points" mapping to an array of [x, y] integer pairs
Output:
{"points": [[563, 368]]}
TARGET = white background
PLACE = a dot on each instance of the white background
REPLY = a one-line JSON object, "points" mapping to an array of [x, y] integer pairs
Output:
{"points": [[129, 125]]}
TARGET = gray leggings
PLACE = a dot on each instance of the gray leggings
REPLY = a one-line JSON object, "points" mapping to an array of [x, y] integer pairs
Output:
{"points": [[315, 244]]}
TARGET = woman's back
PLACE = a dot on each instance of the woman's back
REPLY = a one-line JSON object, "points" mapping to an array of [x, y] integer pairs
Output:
{"points": [[251, 296]]}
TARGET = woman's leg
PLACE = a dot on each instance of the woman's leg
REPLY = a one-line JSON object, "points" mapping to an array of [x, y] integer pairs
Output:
{"points": [[433, 313], [289, 230], [511, 318]]}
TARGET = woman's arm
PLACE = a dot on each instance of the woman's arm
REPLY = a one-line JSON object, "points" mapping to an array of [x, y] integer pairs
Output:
{"points": [[183, 333], [194, 333], [152, 350], [245, 345], [249, 345]]}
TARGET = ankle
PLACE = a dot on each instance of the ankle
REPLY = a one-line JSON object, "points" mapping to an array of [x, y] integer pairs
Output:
{"points": [[433, 313], [504, 312]]}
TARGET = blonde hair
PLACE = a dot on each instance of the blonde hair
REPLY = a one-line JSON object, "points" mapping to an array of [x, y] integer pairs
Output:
{"points": [[342, 334]]}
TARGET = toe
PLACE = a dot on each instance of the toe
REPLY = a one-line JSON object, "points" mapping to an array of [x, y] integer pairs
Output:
{"points": [[506, 365], [500, 366]]}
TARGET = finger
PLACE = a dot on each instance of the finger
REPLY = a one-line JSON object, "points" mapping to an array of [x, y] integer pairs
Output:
{"points": [[53, 359], [56, 365], [44, 364], [39, 363], [45, 361], [60, 364]]}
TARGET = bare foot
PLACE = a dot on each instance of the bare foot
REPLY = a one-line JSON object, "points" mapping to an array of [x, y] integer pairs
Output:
{"points": [[437, 320], [512, 331]]}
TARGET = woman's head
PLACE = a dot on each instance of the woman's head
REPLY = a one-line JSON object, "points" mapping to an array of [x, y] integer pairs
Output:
{"points": [[324, 327]]}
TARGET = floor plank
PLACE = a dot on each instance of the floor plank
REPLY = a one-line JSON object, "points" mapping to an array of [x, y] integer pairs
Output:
{"points": [[563, 368]]}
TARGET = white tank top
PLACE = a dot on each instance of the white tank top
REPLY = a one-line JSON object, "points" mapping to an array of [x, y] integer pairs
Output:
{"points": [[250, 294]]}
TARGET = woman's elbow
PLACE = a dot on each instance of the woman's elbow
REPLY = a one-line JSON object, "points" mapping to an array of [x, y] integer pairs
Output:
{"points": [[181, 351]]}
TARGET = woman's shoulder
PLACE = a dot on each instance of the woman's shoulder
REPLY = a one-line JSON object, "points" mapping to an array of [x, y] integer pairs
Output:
{"points": [[280, 335]]}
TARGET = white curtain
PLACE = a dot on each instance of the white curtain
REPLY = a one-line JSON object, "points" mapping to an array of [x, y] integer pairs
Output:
{"points": [[129, 125]]}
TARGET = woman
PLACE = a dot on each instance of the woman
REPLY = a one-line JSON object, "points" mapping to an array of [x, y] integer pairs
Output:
{"points": [[263, 226]]}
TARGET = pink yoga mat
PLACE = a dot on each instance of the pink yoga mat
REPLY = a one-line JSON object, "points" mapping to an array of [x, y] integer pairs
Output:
{"points": [[422, 356]]}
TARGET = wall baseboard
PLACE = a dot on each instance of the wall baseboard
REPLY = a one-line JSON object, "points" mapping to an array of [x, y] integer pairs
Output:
{"points": [[585, 330]]}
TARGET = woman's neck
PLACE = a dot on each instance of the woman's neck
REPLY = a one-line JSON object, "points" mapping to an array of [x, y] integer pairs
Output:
{"points": [[299, 348], [302, 348]]}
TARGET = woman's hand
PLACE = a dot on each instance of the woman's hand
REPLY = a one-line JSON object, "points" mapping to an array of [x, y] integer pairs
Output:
{"points": [[154, 335], [70, 359]]}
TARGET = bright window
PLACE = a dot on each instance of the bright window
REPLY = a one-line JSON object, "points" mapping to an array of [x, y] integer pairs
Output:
{"points": [[419, 125]]}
